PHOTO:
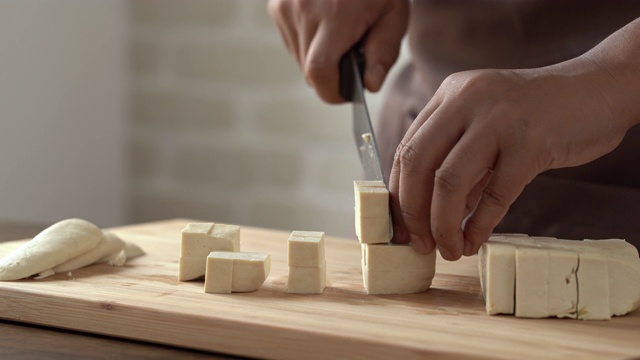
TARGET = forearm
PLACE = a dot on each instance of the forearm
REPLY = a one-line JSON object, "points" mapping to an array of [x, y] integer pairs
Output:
{"points": [[618, 58]]}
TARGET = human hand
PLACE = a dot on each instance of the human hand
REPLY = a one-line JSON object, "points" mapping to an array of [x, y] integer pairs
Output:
{"points": [[319, 32], [484, 136]]}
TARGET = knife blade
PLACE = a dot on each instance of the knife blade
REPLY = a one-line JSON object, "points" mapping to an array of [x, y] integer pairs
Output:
{"points": [[352, 67]]}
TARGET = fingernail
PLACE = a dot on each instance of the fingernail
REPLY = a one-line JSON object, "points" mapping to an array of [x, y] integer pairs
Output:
{"points": [[445, 253]]}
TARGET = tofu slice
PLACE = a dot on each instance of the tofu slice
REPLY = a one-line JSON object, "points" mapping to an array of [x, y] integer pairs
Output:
{"points": [[562, 298], [306, 248], [593, 287], [307, 279], [532, 290], [396, 269], [373, 222], [199, 240], [246, 271], [497, 268]]}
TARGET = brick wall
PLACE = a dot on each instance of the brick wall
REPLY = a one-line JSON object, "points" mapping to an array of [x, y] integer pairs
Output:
{"points": [[225, 129]]}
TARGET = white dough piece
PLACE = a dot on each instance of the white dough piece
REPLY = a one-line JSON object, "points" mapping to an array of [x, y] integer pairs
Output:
{"points": [[199, 240], [132, 250], [55, 245], [307, 279], [306, 248], [396, 269], [117, 259], [109, 244], [249, 271]]}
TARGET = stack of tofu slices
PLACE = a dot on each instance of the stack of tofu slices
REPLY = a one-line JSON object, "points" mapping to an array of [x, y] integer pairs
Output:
{"points": [[386, 268], [307, 262], [213, 251], [539, 277]]}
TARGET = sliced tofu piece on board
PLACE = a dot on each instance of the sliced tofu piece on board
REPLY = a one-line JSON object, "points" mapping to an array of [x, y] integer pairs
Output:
{"points": [[497, 269], [249, 270], [199, 240], [562, 298], [532, 289], [306, 248], [396, 269], [307, 279], [593, 287], [372, 218]]}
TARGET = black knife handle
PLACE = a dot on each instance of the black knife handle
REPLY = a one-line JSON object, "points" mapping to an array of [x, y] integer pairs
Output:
{"points": [[347, 80]]}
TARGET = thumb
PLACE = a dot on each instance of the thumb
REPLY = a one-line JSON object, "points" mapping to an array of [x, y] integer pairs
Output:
{"points": [[382, 44]]}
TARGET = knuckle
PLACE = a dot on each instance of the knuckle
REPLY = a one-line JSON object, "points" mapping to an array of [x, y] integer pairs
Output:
{"points": [[495, 198], [276, 8], [447, 180], [406, 156]]}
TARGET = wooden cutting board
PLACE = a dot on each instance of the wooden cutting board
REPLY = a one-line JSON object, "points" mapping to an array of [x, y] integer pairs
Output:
{"points": [[144, 301]]}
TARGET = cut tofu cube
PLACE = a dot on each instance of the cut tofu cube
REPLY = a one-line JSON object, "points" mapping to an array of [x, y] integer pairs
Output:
{"points": [[396, 269], [562, 298], [306, 248], [372, 218], [373, 230], [372, 201], [248, 272], [307, 279], [199, 240]]}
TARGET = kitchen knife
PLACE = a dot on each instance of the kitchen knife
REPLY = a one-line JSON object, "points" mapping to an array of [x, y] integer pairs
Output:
{"points": [[352, 89]]}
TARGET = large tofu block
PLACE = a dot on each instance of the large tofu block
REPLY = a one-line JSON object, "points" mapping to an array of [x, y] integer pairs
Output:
{"points": [[248, 272], [396, 269], [199, 240], [306, 248], [371, 198], [589, 280], [307, 280], [374, 230], [497, 269]]}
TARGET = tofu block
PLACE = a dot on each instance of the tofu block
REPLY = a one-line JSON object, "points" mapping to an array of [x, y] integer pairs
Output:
{"points": [[373, 230], [396, 269], [306, 248], [245, 271], [372, 217], [199, 240], [497, 276], [588, 280], [307, 280]]}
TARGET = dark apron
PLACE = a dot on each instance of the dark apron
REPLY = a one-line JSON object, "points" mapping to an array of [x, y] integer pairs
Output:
{"points": [[595, 201]]}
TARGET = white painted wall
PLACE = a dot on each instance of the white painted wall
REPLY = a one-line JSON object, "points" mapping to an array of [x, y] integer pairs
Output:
{"points": [[63, 110]]}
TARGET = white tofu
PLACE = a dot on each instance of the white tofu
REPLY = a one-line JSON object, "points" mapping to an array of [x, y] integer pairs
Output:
{"points": [[307, 279], [199, 240], [249, 270], [306, 248], [497, 268], [372, 201], [532, 291], [396, 269], [372, 217], [593, 287], [562, 283], [373, 230]]}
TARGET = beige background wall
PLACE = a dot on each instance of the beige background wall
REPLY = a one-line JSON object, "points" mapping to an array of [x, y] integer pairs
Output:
{"points": [[225, 128]]}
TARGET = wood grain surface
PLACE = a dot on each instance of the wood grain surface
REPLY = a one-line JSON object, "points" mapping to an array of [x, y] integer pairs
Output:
{"points": [[144, 301]]}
